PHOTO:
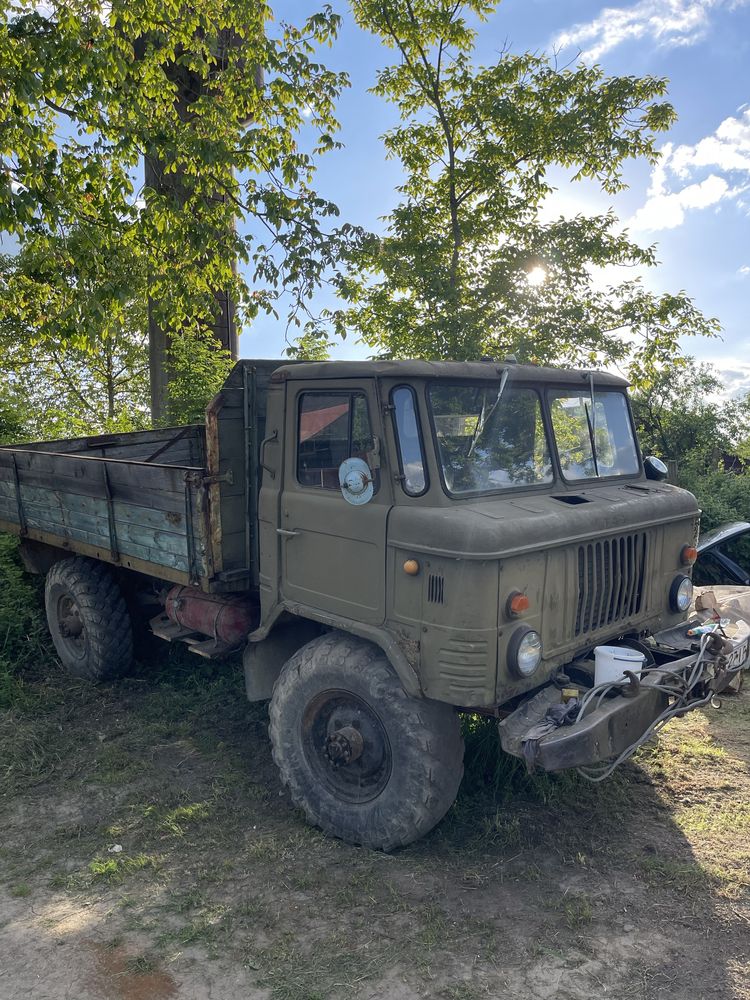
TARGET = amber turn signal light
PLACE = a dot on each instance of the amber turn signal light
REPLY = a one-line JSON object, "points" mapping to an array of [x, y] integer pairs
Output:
{"points": [[411, 567], [688, 555], [517, 604]]}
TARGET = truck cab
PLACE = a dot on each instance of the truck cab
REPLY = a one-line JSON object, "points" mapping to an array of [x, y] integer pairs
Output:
{"points": [[508, 524]]}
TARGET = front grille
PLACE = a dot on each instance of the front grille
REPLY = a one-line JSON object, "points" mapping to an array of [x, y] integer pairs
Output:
{"points": [[610, 581]]}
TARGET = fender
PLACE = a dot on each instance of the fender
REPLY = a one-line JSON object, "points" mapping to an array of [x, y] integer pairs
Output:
{"points": [[380, 637]]}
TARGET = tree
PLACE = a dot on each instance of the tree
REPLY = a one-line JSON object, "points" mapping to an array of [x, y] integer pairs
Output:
{"points": [[62, 387], [12, 415], [79, 110], [467, 267], [62, 391], [679, 414]]}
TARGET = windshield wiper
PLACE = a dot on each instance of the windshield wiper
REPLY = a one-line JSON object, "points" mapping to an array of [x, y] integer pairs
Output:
{"points": [[591, 422], [482, 421]]}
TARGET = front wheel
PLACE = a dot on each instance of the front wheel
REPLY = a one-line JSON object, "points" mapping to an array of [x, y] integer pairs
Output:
{"points": [[365, 761]]}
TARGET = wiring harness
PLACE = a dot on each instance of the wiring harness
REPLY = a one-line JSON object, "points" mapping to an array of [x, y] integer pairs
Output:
{"points": [[678, 685]]}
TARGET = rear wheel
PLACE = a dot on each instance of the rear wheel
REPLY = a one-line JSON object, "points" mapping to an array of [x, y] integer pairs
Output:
{"points": [[88, 619], [366, 762]]}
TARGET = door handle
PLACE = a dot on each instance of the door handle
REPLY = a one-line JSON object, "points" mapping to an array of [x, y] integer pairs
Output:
{"points": [[285, 533], [266, 441]]}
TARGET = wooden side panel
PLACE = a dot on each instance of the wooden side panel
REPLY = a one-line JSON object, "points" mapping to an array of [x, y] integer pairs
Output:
{"points": [[136, 512], [166, 446], [179, 503]]}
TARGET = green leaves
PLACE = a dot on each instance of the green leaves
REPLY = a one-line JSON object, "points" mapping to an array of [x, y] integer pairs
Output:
{"points": [[58, 385], [232, 109], [680, 416], [480, 147]]}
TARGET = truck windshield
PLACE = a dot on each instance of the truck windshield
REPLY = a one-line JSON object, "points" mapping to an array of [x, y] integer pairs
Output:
{"points": [[489, 437], [593, 442]]}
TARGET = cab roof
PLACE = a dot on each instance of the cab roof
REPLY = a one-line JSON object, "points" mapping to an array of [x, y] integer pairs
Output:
{"points": [[474, 370]]}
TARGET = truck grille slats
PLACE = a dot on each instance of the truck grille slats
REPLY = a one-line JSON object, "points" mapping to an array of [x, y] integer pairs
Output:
{"points": [[611, 575]]}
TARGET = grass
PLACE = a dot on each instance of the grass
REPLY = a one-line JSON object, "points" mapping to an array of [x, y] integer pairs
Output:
{"points": [[115, 870], [174, 765], [23, 634], [686, 877], [683, 749], [339, 960], [141, 965], [111, 871], [575, 908], [714, 820], [463, 991], [205, 929]]}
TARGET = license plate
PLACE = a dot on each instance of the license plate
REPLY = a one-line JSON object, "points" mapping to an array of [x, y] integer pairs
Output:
{"points": [[739, 655]]}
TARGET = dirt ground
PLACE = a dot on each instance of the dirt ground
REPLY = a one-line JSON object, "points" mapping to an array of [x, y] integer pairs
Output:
{"points": [[147, 851]]}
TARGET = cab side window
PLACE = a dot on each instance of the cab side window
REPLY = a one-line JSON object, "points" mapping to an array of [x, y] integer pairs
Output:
{"points": [[411, 454], [332, 427]]}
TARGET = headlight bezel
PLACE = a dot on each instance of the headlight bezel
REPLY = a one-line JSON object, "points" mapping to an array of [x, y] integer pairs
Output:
{"points": [[515, 651], [680, 602]]}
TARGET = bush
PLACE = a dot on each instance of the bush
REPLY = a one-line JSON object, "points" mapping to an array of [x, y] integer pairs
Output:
{"points": [[722, 496], [23, 633]]}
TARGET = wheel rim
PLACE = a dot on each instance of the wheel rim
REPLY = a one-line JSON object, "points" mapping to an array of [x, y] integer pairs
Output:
{"points": [[346, 746], [70, 626]]}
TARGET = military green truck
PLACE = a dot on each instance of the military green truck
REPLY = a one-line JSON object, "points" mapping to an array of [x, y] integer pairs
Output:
{"points": [[389, 544]]}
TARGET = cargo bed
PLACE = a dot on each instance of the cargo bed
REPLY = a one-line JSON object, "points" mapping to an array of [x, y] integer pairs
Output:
{"points": [[178, 504]]}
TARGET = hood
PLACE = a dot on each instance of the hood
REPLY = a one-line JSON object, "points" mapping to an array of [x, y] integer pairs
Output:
{"points": [[493, 528]]}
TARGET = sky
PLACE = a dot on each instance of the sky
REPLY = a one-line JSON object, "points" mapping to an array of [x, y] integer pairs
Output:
{"points": [[694, 205]]}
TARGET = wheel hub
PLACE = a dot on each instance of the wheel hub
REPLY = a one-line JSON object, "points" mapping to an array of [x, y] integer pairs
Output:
{"points": [[69, 619], [344, 746]]}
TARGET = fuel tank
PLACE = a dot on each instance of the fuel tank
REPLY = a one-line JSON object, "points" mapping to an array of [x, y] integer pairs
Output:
{"points": [[228, 618]]}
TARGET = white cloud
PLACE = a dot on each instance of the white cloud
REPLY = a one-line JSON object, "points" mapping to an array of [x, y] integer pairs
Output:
{"points": [[735, 374], [668, 23], [727, 149], [667, 211], [744, 271], [690, 178]]}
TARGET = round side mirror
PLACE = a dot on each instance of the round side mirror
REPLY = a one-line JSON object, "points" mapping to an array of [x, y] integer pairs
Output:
{"points": [[655, 468], [355, 480]]}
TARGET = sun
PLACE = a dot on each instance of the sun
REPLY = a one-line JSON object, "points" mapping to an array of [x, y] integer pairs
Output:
{"points": [[536, 276]]}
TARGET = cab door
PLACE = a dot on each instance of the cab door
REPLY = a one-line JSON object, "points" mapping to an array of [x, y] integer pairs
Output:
{"points": [[333, 551]]}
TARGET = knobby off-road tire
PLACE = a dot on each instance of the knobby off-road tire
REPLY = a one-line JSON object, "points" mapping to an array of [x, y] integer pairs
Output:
{"points": [[88, 619], [365, 761]]}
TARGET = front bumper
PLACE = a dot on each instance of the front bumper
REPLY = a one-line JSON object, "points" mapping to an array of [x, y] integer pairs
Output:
{"points": [[613, 726]]}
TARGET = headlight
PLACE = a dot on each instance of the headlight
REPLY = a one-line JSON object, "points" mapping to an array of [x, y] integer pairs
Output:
{"points": [[524, 651], [681, 593]]}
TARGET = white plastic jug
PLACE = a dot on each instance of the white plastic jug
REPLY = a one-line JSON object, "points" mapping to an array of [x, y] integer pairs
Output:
{"points": [[611, 662]]}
